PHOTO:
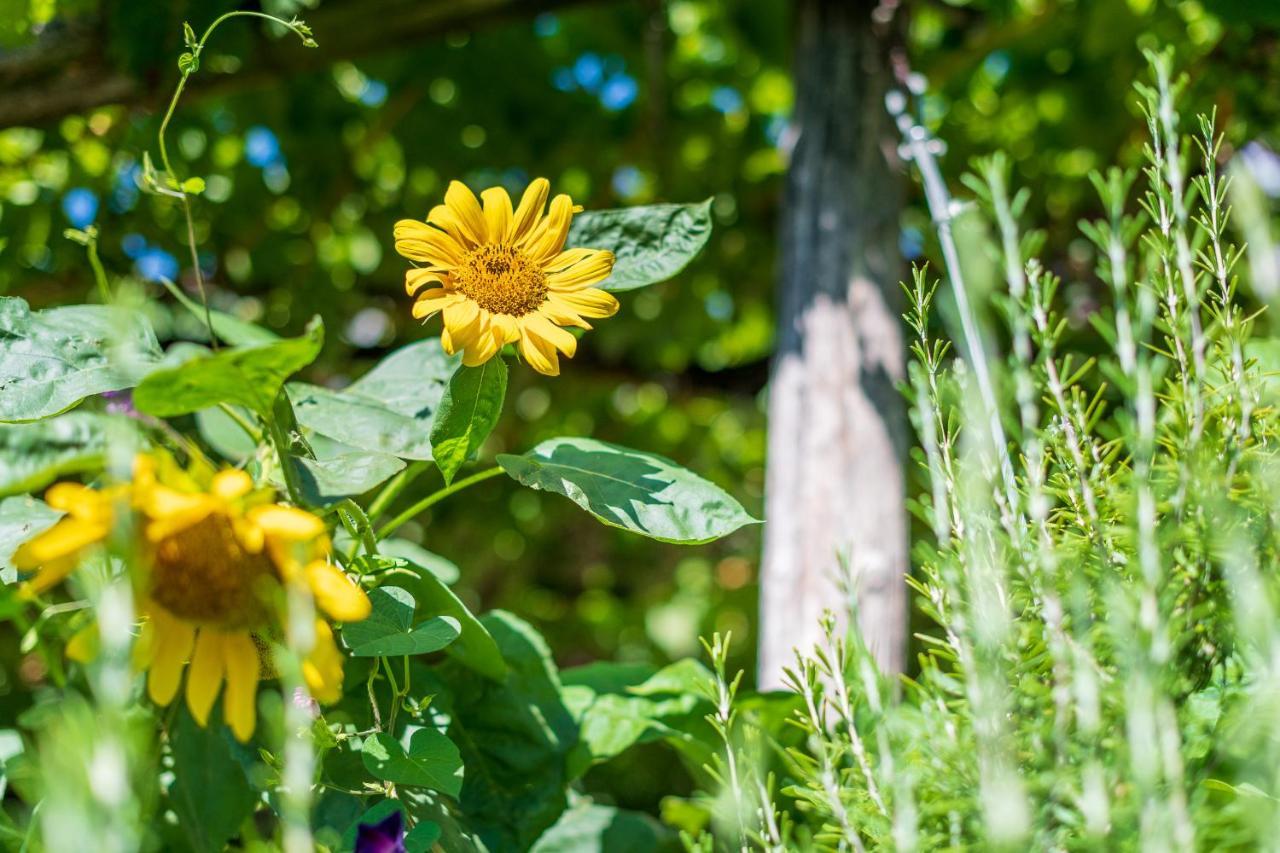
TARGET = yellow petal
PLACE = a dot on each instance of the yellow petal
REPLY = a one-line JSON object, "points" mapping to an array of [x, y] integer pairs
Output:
{"points": [[172, 647], [416, 279], [589, 302], [433, 302], [445, 218], [540, 355], [481, 349], [50, 575], [286, 522], [463, 202], [463, 321], [231, 484], [144, 648], [335, 594], [506, 329], [579, 268], [561, 314], [204, 678], [546, 240], [80, 501], [537, 324], [530, 209], [83, 645], [419, 241], [323, 667], [239, 703], [497, 213], [446, 341], [65, 539]]}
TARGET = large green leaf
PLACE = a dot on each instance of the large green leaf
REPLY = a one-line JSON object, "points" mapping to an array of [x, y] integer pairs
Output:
{"points": [[651, 243], [625, 488], [431, 761], [514, 736], [388, 410], [390, 630], [210, 793], [249, 376], [329, 479], [468, 412], [33, 455], [475, 647], [21, 518], [592, 828], [52, 359]]}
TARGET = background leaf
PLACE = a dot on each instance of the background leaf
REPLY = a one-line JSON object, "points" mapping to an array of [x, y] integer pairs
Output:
{"points": [[625, 488], [52, 359], [21, 518], [34, 455], [388, 410], [592, 828], [468, 412], [227, 327], [210, 793], [249, 376], [327, 480], [431, 761], [651, 243]]}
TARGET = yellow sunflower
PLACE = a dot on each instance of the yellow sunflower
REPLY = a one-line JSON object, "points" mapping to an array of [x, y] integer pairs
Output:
{"points": [[501, 276], [214, 564]]}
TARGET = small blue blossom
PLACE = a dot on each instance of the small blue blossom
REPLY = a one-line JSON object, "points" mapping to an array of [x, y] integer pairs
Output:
{"points": [[80, 206], [619, 92]]}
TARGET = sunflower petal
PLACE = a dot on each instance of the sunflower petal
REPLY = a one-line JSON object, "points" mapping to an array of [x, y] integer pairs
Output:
{"points": [[530, 209], [433, 302], [83, 645], [65, 539], [497, 213], [589, 302], [204, 678], [462, 201], [231, 484], [335, 594], [239, 703], [563, 340], [463, 321], [173, 642], [583, 271], [540, 355], [286, 522], [546, 241], [506, 329], [442, 216], [480, 350], [419, 241], [417, 278], [322, 668]]}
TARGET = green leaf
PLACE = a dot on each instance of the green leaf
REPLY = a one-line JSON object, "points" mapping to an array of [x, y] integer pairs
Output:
{"points": [[229, 329], [52, 359], [389, 630], [210, 793], [636, 491], [249, 376], [388, 410], [34, 455], [444, 569], [21, 518], [193, 186], [514, 736], [417, 840], [221, 432], [432, 761], [591, 828], [475, 647], [650, 243], [326, 481], [467, 413]]}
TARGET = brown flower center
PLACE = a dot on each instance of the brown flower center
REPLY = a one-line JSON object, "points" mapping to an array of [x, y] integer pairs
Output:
{"points": [[502, 279], [203, 574]]}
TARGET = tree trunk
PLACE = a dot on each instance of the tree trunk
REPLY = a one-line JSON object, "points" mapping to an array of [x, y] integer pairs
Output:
{"points": [[837, 423]]}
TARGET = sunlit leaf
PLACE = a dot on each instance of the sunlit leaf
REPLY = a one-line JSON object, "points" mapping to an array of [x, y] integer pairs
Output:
{"points": [[52, 359], [432, 761], [625, 488], [593, 828], [468, 412], [388, 410], [390, 630], [210, 793], [650, 243], [249, 376], [34, 455]]}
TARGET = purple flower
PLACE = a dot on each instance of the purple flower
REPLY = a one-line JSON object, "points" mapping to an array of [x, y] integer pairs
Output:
{"points": [[303, 700], [120, 403], [385, 836]]}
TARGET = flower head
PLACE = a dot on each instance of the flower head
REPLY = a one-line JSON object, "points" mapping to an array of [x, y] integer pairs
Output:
{"points": [[503, 276], [216, 557]]}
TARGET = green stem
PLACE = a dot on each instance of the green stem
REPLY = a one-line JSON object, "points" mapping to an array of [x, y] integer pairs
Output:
{"points": [[99, 274], [242, 422], [394, 487], [434, 498], [281, 443]]}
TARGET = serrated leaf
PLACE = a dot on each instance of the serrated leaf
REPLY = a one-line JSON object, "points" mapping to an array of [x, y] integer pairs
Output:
{"points": [[249, 376], [390, 409], [636, 491], [52, 359], [650, 243], [468, 412], [432, 761]]}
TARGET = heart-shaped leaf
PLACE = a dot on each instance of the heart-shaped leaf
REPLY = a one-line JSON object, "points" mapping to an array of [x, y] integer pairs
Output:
{"points": [[432, 761], [650, 243], [389, 629]]}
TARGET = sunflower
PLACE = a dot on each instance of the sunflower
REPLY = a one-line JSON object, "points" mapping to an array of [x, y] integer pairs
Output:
{"points": [[214, 564], [501, 276]]}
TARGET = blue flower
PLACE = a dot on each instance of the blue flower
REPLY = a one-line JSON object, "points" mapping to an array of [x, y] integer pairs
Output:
{"points": [[155, 264], [80, 206], [589, 71], [619, 92], [261, 147]]}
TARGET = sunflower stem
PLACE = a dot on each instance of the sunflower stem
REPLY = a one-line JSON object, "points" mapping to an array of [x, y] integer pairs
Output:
{"points": [[281, 443], [434, 498], [394, 487]]}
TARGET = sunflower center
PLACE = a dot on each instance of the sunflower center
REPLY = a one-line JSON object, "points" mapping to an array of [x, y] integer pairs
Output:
{"points": [[501, 278], [203, 574]]}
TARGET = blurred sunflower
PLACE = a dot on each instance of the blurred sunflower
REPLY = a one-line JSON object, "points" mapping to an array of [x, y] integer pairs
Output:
{"points": [[502, 276], [216, 556]]}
